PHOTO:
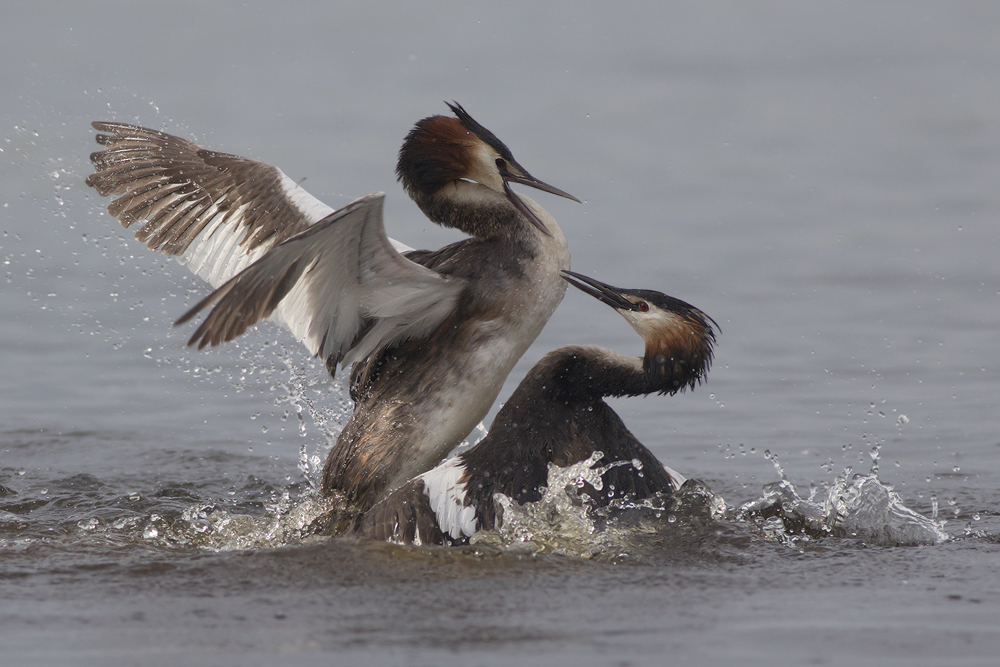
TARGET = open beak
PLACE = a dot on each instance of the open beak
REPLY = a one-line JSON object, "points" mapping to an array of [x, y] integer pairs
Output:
{"points": [[509, 178], [595, 288], [537, 184]]}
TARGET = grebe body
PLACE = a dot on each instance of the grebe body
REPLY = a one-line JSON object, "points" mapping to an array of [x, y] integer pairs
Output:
{"points": [[557, 416], [431, 334]]}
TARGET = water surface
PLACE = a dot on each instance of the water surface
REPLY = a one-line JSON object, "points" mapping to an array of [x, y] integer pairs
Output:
{"points": [[820, 179]]}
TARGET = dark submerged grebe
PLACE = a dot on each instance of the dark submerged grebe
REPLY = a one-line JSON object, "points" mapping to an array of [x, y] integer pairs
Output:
{"points": [[432, 334], [557, 415]]}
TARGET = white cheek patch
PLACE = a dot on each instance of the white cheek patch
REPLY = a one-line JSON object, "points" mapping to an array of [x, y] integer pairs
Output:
{"points": [[483, 168], [654, 322]]}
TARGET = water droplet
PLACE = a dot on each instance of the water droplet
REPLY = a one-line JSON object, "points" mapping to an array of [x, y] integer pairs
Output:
{"points": [[88, 524]]}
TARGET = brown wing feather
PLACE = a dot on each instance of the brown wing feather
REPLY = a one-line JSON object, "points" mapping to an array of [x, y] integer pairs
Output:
{"points": [[177, 187]]}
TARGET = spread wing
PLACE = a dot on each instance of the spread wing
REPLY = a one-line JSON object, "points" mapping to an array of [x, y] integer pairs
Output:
{"points": [[215, 212], [340, 286]]}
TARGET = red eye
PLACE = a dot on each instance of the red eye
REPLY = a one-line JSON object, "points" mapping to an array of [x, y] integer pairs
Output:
{"points": [[642, 306]]}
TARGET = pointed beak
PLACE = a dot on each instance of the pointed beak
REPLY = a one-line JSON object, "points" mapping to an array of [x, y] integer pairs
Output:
{"points": [[539, 185], [595, 288], [509, 178]]}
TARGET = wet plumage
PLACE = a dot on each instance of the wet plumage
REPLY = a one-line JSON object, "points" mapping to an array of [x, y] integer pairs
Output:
{"points": [[432, 334], [557, 415]]}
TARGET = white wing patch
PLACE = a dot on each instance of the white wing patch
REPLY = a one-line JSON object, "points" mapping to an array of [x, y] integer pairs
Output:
{"points": [[311, 208], [245, 225], [446, 495], [341, 287], [356, 275], [314, 210], [217, 253], [675, 477]]}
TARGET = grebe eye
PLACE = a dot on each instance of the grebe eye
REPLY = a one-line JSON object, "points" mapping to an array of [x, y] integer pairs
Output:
{"points": [[501, 164], [642, 306]]}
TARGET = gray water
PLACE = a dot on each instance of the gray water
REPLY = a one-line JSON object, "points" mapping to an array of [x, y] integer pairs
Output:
{"points": [[821, 178]]}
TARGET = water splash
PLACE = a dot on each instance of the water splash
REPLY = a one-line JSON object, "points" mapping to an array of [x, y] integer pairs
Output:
{"points": [[558, 522], [302, 386], [565, 521], [854, 506], [289, 520]]}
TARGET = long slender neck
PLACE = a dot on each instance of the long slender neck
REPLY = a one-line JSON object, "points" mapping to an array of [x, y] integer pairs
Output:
{"points": [[474, 209], [583, 373], [548, 400], [586, 371]]}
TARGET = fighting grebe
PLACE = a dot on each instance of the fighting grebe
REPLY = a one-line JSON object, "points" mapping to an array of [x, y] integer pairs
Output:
{"points": [[433, 333], [557, 415]]}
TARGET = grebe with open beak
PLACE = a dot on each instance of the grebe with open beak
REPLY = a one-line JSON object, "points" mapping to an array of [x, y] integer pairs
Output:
{"points": [[557, 415]]}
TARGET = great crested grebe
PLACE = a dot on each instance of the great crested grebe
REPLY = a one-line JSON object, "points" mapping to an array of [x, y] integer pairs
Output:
{"points": [[557, 415], [432, 334]]}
